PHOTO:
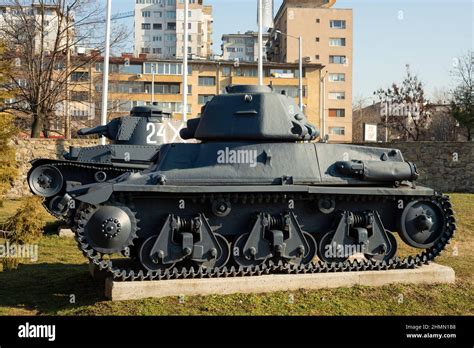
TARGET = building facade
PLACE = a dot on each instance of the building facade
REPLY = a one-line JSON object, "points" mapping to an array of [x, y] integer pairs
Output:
{"points": [[159, 29], [327, 35], [243, 47], [49, 14], [131, 81]]}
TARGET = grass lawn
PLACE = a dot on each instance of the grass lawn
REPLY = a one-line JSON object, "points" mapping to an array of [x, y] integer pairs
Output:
{"points": [[45, 287]]}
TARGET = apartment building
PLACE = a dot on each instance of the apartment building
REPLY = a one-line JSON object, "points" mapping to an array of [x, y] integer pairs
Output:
{"points": [[131, 81], [243, 47], [327, 35], [159, 29], [50, 13]]}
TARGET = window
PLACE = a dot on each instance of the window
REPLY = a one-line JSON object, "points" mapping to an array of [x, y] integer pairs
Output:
{"points": [[203, 99], [337, 130], [157, 26], [318, 20], [337, 59], [337, 77], [157, 50], [337, 95], [337, 24], [337, 112], [79, 76], [247, 72], [337, 41], [170, 37], [171, 14], [166, 68], [164, 88], [317, 39], [226, 70], [157, 38], [171, 26], [146, 14], [146, 26], [79, 96], [157, 14], [317, 57], [207, 81]]}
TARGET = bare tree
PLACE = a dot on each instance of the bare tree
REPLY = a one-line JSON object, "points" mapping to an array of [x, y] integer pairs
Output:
{"points": [[462, 108], [404, 107], [40, 36]]}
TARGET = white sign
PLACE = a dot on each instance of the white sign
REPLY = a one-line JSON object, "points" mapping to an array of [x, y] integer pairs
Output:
{"points": [[370, 132]]}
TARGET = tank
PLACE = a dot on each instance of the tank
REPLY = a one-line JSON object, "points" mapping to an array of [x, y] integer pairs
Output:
{"points": [[257, 194], [134, 142]]}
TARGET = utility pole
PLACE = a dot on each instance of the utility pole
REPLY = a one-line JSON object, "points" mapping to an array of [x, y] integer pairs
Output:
{"points": [[185, 62], [105, 83]]}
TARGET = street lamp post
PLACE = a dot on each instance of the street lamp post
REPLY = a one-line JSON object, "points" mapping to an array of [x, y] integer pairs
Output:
{"points": [[105, 83], [153, 83], [185, 61], [300, 61], [260, 42]]}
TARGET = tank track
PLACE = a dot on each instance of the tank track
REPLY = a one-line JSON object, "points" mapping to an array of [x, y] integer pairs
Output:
{"points": [[70, 217], [130, 274]]}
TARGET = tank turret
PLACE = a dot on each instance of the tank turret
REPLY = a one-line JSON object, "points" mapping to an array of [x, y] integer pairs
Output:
{"points": [[134, 143], [251, 113], [130, 130]]}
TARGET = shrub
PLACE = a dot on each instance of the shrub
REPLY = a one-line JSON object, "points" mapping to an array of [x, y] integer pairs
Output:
{"points": [[25, 227], [8, 167]]}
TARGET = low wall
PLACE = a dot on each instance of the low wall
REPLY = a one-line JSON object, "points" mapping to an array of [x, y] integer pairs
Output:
{"points": [[444, 166], [29, 149]]}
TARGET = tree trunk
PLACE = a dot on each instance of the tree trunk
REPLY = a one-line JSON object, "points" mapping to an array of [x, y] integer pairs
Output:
{"points": [[37, 126]]}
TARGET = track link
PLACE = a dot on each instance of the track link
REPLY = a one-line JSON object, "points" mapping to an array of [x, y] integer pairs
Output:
{"points": [[121, 273]]}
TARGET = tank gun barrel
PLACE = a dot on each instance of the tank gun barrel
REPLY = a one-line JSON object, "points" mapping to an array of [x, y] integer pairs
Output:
{"points": [[100, 130]]}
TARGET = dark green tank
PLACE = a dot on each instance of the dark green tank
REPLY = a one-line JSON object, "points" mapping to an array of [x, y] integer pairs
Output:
{"points": [[256, 195]]}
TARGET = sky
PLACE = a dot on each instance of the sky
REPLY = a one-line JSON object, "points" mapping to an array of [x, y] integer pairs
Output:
{"points": [[388, 34]]}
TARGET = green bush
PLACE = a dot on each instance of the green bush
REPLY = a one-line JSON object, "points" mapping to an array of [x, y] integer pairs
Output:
{"points": [[8, 166], [25, 227]]}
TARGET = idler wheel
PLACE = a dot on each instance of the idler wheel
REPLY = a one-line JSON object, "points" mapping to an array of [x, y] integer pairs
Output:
{"points": [[387, 254], [238, 253], [328, 252], [151, 262], [55, 206], [45, 181], [422, 224], [111, 229]]}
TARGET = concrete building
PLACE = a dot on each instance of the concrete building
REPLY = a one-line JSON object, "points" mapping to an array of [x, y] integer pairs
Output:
{"points": [[159, 28], [327, 40], [131, 83], [11, 14], [243, 47]]}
